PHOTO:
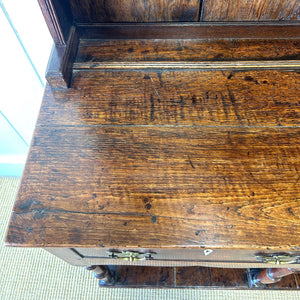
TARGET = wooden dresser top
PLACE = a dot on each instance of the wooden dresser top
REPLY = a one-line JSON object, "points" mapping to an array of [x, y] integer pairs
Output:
{"points": [[164, 158], [171, 135]]}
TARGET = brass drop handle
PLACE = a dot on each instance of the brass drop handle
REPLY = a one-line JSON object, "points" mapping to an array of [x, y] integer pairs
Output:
{"points": [[131, 255], [277, 258]]}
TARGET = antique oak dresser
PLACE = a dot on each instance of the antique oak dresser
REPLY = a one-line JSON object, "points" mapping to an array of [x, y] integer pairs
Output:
{"points": [[168, 136]]}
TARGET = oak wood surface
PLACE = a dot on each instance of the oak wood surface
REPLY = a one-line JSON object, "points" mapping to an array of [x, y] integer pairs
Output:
{"points": [[96, 51], [231, 186], [191, 277], [249, 10], [135, 10], [190, 30], [210, 98], [135, 159]]}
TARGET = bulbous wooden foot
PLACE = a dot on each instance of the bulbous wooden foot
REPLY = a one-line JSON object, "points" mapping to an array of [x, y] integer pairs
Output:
{"points": [[103, 274], [262, 277]]}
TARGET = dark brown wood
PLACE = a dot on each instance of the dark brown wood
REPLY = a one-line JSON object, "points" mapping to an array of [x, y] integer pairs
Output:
{"points": [[104, 51], [187, 54], [132, 276], [173, 152], [58, 17], [249, 10], [233, 175], [193, 277], [196, 30], [287, 282], [189, 277], [135, 11], [229, 278], [60, 67], [245, 191], [176, 98]]}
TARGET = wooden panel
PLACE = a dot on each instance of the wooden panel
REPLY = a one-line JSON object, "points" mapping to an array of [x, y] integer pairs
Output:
{"points": [[249, 10], [253, 98], [193, 276], [229, 278], [182, 263], [190, 277], [135, 10], [132, 276], [226, 258], [224, 255], [196, 30], [96, 51], [233, 186], [60, 66]]}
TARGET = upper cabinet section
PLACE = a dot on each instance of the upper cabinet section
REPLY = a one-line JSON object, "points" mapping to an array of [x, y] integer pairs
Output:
{"points": [[250, 10], [141, 11]]}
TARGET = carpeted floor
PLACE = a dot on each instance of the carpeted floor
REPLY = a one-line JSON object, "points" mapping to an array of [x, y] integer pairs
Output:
{"points": [[36, 274]]}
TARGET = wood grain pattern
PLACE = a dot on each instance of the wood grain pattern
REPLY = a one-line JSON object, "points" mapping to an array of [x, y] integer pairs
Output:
{"points": [[86, 11], [249, 10], [165, 159], [143, 276], [193, 276], [231, 186], [60, 66], [99, 51], [189, 277], [160, 98], [229, 278], [194, 30]]}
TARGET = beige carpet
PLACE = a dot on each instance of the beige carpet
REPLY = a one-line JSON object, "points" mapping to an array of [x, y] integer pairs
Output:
{"points": [[36, 274]]}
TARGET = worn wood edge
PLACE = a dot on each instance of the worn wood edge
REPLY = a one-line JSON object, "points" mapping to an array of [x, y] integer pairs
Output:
{"points": [[182, 263], [194, 30], [212, 65], [53, 73], [68, 255], [69, 56], [73, 257], [59, 70]]}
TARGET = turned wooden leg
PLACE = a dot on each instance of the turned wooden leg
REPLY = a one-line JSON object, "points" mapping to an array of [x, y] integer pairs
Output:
{"points": [[261, 277], [103, 274]]}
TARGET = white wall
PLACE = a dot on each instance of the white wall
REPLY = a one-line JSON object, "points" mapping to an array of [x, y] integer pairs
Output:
{"points": [[24, 53]]}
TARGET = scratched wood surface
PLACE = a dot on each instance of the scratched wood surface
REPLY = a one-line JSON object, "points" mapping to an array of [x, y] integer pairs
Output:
{"points": [[249, 10], [135, 10], [160, 187], [210, 98], [164, 159]]}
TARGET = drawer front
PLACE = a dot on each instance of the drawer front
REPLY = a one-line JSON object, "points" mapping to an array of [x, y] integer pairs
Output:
{"points": [[189, 257]]}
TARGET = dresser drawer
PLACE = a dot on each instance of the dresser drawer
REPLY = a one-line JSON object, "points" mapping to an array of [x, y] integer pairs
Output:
{"points": [[178, 257]]}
